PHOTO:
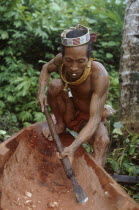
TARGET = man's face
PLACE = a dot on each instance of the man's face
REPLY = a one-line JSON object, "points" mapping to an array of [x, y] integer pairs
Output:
{"points": [[75, 60]]}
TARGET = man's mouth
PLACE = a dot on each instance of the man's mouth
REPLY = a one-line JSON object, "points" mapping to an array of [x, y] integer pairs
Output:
{"points": [[74, 75]]}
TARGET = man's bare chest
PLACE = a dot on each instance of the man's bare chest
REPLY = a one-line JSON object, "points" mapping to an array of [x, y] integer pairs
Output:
{"points": [[82, 95], [84, 90]]}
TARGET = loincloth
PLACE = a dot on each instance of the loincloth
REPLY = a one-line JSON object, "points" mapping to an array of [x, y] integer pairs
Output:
{"points": [[81, 120]]}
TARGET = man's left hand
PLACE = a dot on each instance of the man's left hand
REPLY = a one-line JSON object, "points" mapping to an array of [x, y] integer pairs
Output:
{"points": [[68, 151]]}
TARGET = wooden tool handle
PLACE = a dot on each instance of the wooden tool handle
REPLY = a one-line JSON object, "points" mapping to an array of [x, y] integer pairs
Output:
{"points": [[79, 192], [65, 161]]}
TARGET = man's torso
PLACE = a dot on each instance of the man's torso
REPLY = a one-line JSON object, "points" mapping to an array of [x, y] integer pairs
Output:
{"points": [[82, 93]]}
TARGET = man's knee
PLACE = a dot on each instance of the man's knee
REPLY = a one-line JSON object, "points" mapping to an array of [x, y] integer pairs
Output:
{"points": [[105, 140], [55, 87], [101, 135], [101, 142]]}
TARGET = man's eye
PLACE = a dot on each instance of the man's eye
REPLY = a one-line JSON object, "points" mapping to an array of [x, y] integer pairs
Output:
{"points": [[68, 60], [81, 61]]}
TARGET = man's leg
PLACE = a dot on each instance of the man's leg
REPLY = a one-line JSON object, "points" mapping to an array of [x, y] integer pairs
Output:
{"points": [[100, 142], [61, 106]]}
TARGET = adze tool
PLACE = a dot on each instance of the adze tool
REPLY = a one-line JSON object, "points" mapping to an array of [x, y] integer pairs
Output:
{"points": [[78, 190]]}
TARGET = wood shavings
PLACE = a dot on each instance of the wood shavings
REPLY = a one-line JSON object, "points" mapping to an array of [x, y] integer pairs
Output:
{"points": [[52, 204], [28, 194]]}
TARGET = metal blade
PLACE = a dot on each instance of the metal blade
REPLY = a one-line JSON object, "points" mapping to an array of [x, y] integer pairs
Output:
{"points": [[80, 194], [73, 133]]}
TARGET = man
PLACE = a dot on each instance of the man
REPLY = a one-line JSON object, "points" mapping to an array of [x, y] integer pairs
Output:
{"points": [[88, 82]]}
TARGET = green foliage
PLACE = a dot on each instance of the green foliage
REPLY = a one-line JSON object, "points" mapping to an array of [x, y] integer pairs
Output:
{"points": [[3, 135], [39, 117], [88, 147], [30, 32], [132, 191], [8, 125], [125, 156], [113, 97]]}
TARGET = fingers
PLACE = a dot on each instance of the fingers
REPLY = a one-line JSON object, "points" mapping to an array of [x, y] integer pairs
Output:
{"points": [[47, 134], [50, 138], [45, 101], [61, 156], [42, 106], [65, 152], [42, 101]]}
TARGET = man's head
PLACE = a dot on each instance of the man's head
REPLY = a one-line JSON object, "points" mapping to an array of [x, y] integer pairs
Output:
{"points": [[76, 51], [78, 33]]}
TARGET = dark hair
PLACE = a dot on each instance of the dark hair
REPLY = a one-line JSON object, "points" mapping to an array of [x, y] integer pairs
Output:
{"points": [[77, 33]]}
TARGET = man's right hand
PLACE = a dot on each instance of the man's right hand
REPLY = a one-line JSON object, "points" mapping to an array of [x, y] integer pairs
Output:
{"points": [[42, 100]]}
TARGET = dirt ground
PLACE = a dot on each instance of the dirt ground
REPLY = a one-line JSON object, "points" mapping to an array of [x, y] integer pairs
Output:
{"points": [[33, 177]]}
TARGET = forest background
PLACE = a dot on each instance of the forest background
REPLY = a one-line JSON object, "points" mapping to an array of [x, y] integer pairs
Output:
{"points": [[30, 36]]}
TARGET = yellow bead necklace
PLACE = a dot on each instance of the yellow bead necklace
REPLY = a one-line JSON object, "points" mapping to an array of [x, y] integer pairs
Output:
{"points": [[78, 81]]}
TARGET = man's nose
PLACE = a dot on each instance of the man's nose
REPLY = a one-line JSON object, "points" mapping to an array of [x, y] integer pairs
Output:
{"points": [[74, 67]]}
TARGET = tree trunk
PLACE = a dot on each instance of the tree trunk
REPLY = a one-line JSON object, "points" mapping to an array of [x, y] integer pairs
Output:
{"points": [[129, 68]]}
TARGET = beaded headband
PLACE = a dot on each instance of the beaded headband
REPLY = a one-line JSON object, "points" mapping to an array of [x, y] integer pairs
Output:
{"points": [[78, 40]]}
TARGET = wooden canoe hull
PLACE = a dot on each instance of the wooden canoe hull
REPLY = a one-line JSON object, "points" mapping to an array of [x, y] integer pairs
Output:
{"points": [[32, 176]]}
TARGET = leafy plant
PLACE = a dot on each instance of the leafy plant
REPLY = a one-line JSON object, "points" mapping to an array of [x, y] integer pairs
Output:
{"points": [[124, 158], [30, 33], [3, 135], [88, 148], [8, 125]]}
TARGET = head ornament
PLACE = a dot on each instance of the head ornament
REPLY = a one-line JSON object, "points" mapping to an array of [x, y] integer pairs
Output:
{"points": [[78, 40]]}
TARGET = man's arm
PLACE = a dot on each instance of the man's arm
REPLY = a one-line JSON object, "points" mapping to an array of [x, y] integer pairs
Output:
{"points": [[96, 109], [99, 96], [47, 69]]}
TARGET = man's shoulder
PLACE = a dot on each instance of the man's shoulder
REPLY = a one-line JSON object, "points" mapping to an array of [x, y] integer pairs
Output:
{"points": [[98, 67], [58, 59], [53, 64], [98, 70], [100, 75]]}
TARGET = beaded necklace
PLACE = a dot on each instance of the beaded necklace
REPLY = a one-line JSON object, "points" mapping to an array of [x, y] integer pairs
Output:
{"points": [[78, 81]]}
